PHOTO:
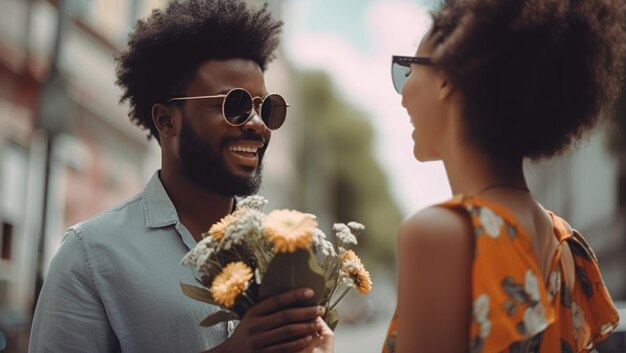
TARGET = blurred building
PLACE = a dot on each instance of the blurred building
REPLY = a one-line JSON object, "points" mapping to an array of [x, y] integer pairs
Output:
{"points": [[97, 158], [582, 186]]}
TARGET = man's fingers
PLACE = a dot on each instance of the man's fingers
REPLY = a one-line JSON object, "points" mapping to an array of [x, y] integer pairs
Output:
{"points": [[280, 301], [289, 347], [282, 335], [286, 317]]}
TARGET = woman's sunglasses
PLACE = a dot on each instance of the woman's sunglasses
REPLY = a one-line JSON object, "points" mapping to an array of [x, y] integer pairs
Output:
{"points": [[401, 68], [238, 103]]}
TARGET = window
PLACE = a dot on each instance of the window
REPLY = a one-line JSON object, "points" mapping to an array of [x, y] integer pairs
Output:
{"points": [[6, 241], [13, 174]]}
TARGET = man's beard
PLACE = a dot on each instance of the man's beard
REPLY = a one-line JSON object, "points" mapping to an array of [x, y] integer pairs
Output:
{"points": [[204, 167]]}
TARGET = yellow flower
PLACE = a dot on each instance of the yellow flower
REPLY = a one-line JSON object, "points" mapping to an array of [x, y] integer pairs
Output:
{"points": [[353, 266], [230, 283], [218, 229], [289, 230]]}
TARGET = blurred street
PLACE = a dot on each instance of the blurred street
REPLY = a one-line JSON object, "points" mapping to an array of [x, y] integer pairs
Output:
{"points": [[361, 338], [364, 319]]}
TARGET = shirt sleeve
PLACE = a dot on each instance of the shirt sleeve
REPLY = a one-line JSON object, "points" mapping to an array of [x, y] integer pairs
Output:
{"points": [[70, 316]]}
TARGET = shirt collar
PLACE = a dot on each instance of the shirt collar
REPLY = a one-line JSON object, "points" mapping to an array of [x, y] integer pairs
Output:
{"points": [[159, 209]]}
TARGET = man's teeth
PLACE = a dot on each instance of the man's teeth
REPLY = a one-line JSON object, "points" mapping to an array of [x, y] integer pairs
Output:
{"points": [[244, 149]]}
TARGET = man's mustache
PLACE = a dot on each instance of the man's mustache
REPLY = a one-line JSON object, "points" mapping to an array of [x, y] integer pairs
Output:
{"points": [[247, 136]]}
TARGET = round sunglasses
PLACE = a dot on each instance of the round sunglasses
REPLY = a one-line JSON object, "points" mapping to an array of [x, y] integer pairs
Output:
{"points": [[238, 105], [401, 68]]}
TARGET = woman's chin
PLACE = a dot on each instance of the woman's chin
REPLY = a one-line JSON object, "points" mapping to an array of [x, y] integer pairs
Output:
{"points": [[421, 156]]}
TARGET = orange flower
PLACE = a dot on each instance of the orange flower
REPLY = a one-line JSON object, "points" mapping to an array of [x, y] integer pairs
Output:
{"points": [[230, 283], [350, 256], [289, 230], [218, 229], [354, 268], [362, 280]]}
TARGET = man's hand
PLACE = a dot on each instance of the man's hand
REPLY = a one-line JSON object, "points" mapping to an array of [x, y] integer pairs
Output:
{"points": [[277, 324]]}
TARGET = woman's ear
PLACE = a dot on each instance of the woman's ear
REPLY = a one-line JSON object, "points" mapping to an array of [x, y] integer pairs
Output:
{"points": [[445, 88], [165, 120]]}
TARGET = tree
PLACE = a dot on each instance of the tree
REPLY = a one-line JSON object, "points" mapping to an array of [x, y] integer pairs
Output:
{"points": [[341, 178]]}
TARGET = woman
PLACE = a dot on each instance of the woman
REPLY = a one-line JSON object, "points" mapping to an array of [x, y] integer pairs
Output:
{"points": [[492, 83]]}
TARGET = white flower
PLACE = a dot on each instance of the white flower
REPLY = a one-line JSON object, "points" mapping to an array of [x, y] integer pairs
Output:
{"points": [[485, 328], [343, 233], [321, 244], [491, 222], [203, 263], [531, 286], [246, 225], [356, 227], [535, 319], [554, 284], [345, 279], [481, 308], [328, 249], [254, 202], [200, 254]]}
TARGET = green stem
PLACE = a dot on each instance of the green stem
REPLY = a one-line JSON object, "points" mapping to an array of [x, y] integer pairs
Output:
{"points": [[247, 298], [339, 299]]}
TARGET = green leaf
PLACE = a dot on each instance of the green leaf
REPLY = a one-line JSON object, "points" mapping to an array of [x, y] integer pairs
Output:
{"points": [[198, 293], [288, 271], [565, 347], [332, 319], [218, 317], [514, 290], [581, 276], [566, 296]]}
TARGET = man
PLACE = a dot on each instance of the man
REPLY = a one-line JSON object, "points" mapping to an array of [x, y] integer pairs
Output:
{"points": [[190, 73]]}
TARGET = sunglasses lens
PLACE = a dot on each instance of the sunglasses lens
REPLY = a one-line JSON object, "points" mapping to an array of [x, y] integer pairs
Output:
{"points": [[237, 106], [274, 111], [399, 74]]}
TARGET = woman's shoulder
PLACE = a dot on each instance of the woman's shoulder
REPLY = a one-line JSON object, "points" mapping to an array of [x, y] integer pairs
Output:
{"points": [[435, 224]]}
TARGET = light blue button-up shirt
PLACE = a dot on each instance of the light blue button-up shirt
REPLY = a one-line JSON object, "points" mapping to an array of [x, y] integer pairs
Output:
{"points": [[114, 285]]}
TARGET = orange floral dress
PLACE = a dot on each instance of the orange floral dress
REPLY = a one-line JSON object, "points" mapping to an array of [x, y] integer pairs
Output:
{"points": [[516, 310]]}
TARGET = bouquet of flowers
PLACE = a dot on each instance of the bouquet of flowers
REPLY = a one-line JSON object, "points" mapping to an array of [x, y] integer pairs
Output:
{"points": [[248, 256]]}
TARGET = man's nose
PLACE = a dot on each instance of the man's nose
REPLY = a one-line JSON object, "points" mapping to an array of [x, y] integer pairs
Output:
{"points": [[255, 124]]}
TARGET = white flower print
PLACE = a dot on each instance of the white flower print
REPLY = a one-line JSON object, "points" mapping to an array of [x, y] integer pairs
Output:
{"points": [[535, 319], [578, 319], [607, 328], [485, 328], [481, 311], [481, 308], [531, 286], [554, 284], [491, 222]]}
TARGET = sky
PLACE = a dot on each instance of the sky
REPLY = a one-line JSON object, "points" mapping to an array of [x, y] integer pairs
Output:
{"points": [[353, 41]]}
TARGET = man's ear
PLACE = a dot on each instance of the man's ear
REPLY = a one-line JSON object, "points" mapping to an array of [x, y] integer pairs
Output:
{"points": [[165, 120]]}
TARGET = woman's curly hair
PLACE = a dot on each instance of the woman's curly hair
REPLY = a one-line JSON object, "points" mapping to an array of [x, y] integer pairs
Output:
{"points": [[535, 75], [166, 49]]}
